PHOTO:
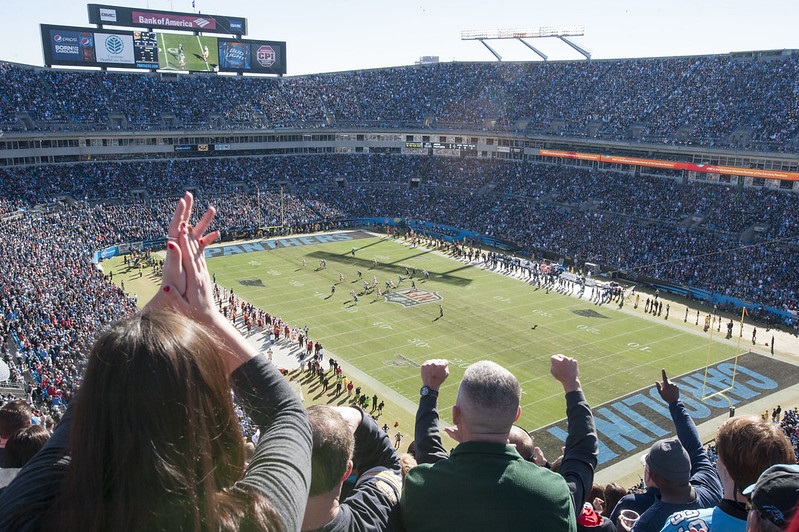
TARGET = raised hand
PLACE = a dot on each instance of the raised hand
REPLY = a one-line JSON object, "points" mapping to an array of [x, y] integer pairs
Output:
{"points": [[198, 297], [565, 370], [187, 286], [185, 251], [668, 391], [434, 373], [174, 273]]}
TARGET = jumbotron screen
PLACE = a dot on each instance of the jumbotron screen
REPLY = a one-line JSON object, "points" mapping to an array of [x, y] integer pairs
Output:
{"points": [[91, 47], [180, 51]]}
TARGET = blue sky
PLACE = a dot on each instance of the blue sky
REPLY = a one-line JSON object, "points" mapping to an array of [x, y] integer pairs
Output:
{"points": [[335, 35]]}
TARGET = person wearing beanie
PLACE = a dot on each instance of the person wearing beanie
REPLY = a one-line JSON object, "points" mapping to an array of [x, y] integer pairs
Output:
{"points": [[738, 465], [679, 467], [773, 499]]}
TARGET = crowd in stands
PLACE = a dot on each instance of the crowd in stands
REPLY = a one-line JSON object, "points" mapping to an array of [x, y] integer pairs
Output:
{"points": [[633, 223], [54, 301], [48, 324], [697, 100]]}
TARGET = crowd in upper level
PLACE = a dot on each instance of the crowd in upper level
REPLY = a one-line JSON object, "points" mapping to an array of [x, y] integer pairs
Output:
{"points": [[715, 101], [641, 224]]}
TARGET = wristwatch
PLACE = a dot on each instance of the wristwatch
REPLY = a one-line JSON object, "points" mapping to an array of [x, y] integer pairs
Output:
{"points": [[426, 390]]}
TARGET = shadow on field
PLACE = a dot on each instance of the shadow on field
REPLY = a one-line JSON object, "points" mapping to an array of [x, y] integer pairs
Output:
{"points": [[338, 262]]}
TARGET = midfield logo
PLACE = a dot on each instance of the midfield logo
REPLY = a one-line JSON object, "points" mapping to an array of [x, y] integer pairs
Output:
{"points": [[412, 296], [589, 313]]}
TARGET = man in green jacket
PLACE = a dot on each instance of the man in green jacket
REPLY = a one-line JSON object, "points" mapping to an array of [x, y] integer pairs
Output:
{"points": [[485, 484]]}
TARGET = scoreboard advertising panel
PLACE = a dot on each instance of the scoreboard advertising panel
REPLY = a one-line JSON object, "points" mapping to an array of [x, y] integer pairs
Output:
{"points": [[92, 47], [257, 57], [71, 46], [167, 20]]}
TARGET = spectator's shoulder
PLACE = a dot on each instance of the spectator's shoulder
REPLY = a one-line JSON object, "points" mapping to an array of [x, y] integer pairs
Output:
{"points": [[385, 481], [687, 519]]}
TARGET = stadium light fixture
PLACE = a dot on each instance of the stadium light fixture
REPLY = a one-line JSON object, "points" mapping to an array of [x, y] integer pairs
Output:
{"points": [[544, 31], [559, 32]]}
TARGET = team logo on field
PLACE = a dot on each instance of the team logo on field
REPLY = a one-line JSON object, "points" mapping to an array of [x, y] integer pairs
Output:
{"points": [[589, 313], [251, 282], [412, 296]]}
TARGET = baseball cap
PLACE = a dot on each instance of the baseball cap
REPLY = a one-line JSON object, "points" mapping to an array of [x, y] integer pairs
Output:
{"points": [[668, 459], [775, 493]]}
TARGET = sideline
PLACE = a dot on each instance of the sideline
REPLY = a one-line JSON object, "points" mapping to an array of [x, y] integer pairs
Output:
{"points": [[284, 355]]}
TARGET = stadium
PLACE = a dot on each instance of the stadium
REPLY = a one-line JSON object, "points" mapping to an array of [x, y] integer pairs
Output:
{"points": [[627, 213]]}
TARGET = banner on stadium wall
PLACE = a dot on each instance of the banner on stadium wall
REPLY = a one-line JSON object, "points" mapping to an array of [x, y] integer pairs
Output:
{"points": [[122, 249], [707, 295], [104, 254], [672, 165]]}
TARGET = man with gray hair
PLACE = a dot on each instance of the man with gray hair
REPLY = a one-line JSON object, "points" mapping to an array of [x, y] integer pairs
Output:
{"points": [[485, 478]]}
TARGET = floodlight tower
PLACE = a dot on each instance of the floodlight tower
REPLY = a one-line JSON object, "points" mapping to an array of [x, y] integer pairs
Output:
{"points": [[560, 32]]}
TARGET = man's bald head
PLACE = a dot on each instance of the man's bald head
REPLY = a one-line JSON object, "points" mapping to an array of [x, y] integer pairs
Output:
{"points": [[488, 399]]}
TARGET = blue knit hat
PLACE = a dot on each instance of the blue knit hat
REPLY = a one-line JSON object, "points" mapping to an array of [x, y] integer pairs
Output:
{"points": [[668, 459]]}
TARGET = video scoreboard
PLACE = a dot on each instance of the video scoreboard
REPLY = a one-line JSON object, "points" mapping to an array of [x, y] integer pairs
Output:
{"points": [[145, 48], [92, 47], [152, 49]]}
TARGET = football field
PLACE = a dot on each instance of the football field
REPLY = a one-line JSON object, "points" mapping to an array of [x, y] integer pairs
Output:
{"points": [[187, 52], [381, 340], [485, 316]]}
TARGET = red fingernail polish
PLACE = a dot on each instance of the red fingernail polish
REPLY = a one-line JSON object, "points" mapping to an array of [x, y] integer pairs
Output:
{"points": [[170, 245], [166, 289]]}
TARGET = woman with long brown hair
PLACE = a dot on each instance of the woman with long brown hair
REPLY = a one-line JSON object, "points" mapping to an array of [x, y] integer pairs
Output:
{"points": [[153, 441]]}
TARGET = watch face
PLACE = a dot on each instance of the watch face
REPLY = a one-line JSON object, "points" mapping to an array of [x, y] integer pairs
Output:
{"points": [[425, 390]]}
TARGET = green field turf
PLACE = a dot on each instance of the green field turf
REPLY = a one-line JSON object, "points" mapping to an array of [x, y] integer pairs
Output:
{"points": [[486, 316]]}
